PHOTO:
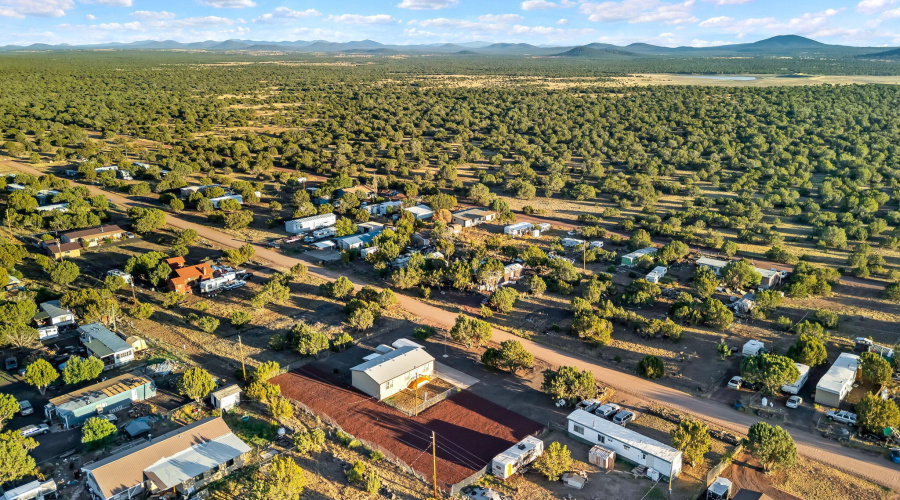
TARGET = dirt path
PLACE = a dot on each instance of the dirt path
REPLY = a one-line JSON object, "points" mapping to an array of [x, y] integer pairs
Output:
{"points": [[875, 468]]}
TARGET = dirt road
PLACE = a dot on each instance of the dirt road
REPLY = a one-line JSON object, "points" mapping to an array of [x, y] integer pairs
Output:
{"points": [[875, 468]]}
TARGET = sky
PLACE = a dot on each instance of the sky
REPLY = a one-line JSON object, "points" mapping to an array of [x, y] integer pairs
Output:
{"points": [[539, 22]]}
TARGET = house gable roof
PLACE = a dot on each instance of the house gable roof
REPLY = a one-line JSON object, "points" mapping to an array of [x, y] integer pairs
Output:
{"points": [[394, 364]]}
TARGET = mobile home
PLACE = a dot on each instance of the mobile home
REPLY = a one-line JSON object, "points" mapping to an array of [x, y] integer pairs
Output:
{"points": [[626, 443], [657, 273], [834, 386], [631, 258], [310, 223]]}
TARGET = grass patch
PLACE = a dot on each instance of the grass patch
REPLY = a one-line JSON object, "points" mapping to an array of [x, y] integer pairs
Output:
{"points": [[253, 430]]}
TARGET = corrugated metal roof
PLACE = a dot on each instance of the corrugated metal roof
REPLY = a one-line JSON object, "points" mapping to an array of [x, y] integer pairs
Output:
{"points": [[171, 471], [110, 340], [94, 232], [625, 435], [227, 391], [394, 364], [100, 391], [642, 251], [124, 470]]}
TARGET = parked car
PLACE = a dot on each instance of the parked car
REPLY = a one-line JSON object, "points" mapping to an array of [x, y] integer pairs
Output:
{"points": [[608, 410], [109, 418], [34, 430], [736, 382], [623, 418], [843, 416], [25, 408], [11, 364], [588, 405], [794, 402], [895, 455]]}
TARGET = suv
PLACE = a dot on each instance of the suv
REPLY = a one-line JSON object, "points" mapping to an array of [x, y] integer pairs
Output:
{"points": [[33, 430], [843, 416], [623, 418], [25, 408], [607, 410]]}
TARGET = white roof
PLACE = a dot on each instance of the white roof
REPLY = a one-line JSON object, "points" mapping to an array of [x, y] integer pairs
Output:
{"points": [[705, 261], [513, 267], [196, 460], [519, 225], [397, 344], [314, 218], [841, 373], [521, 448], [642, 251], [420, 210], [394, 364], [322, 245], [625, 435]]}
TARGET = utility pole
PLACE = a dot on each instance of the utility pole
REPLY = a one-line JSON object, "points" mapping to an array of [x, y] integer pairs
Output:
{"points": [[434, 463], [243, 367]]}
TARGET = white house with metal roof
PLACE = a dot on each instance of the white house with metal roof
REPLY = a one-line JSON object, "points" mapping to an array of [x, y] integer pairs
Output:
{"points": [[421, 212], [837, 382], [627, 444], [390, 373], [106, 345]]}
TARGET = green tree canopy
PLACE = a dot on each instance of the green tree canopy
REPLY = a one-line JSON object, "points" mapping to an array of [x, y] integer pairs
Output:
{"points": [[40, 374], [772, 446], [196, 383], [770, 371], [556, 460], [98, 433], [569, 383], [692, 438]]}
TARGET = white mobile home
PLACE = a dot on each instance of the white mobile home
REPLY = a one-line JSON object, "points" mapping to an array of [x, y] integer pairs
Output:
{"points": [[386, 375], [518, 229], [796, 386], [523, 453], [385, 208], [236, 197], [310, 223], [627, 444], [657, 273], [834, 386], [571, 242]]}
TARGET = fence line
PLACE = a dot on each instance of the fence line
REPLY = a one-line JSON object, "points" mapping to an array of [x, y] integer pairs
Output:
{"points": [[419, 408]]}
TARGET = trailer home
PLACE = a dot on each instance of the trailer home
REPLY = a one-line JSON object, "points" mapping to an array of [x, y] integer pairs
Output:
{"points": [[626, 443], [310, 223]]}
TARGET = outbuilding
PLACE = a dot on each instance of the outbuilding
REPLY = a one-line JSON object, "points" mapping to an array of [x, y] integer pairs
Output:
{"points": [[106, 345], [390, 373], [473, 217], [226, 398], [518, 229], [626, 443], [421, 212]]}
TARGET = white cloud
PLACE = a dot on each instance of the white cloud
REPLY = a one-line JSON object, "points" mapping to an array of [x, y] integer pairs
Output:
{"points": [[284, 13], [639, 11], [105, 27], [562, 21], [110, 3], [90, 17], [873, 6], [147, 14], [191, 22], [415, 32], [812, 24], [546, 4], [228, 4], [548, 31], [358, 19], [427, 4], [38, 8], [500, 18], [727, 2]]}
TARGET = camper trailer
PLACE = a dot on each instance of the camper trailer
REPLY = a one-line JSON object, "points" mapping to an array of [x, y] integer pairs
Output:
{"points": [[512, 460], [752, 348], [319, 234], [796, 386]]}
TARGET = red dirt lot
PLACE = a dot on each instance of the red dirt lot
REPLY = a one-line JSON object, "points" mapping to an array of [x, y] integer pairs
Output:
{"points": [[470, 430]]}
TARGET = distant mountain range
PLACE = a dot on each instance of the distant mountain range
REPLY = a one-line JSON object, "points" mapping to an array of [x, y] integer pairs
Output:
{"points": [[784, 45]]}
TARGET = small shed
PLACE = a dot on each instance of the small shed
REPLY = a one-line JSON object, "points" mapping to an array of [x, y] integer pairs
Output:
{"points": [[574, 480], [601, 457], [137, 427], [226, 398], [138, 343]]}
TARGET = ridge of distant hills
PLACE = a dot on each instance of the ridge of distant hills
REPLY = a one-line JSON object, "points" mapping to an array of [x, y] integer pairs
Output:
{"points": [[782, 45]]}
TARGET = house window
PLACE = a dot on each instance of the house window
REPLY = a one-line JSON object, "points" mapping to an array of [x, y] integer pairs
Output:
{"points": [[578, 429], [229, 463], [627, 447], [389, 384], [601, 438]]}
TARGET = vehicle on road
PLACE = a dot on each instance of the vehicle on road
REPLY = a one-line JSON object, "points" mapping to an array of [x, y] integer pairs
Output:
{"points": [[34, 430], [842, 416], [25, 408], [736, 382], [895, 455], [794, 402], [608, 410], [623, 418]]}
